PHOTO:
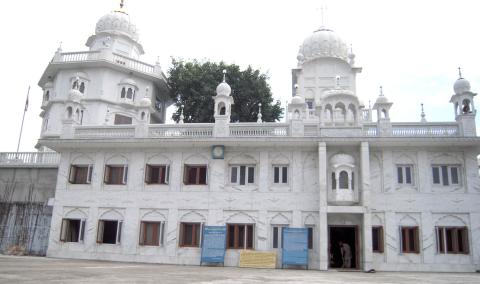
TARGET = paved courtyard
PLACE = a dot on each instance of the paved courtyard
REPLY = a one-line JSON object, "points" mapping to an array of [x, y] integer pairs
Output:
{"points": [[15, 269]]}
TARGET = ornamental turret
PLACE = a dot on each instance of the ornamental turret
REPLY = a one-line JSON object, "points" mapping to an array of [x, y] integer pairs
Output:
{"points": [[464, 107]]}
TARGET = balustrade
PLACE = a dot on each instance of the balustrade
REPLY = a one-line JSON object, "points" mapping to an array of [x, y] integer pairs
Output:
{"points": [[259, 129], [29, 158]]}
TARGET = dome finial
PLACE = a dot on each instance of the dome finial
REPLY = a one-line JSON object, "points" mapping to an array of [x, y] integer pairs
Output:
{"points": [[259, 115], [423, 114], [381, 91], [224, 73], [323, 10], [181, 115], [121, 4], [460, 73]]}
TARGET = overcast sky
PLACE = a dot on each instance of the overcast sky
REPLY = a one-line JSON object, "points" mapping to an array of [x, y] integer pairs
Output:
{"points": [[411, 48]]}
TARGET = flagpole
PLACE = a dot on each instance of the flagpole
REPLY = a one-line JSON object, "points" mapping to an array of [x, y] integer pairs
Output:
{"points": [[21, 127]]}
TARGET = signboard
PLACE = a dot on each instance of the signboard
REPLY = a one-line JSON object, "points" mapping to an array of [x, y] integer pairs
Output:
{"points": [[257, 259], [213, 244], [295, 246]]}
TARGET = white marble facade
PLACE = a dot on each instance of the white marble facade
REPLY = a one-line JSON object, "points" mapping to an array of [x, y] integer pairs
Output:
{"points": [[328, 166]]}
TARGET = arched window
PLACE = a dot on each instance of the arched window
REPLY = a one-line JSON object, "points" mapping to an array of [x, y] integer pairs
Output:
{"points": [[130, 94], [47, 96], [143, 115], [343, 180], [384, 113], [77, 115], [81, 117], [82, 87], [122, 94], [75, 84], [466, 106]]}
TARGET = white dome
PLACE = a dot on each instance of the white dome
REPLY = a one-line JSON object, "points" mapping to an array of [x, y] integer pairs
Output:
{"points": [[297, 100], [75, 95], [461, 86], [381, 100], [117, 23], [145, 102], [322, 43], [342, 159], [223, 89]]}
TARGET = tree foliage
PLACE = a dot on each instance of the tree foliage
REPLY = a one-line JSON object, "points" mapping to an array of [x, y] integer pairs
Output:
{"points": [[193, 85]]}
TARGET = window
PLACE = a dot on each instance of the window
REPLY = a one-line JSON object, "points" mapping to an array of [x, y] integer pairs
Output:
{"points": [[445, 175], [409, 240], [309, 103], [80, 174], [404, 174], [47, 96], [377, 239], [195, 175], [116, 174], [190, 234], [157, 174], [151, 233], [127, 93], [310, 237], [82, 87], [240, 236], [452, 240], [343, 180], [277, 240], [280, 174], [242, 175], [122, 119], [72, 230], [109, 231]]}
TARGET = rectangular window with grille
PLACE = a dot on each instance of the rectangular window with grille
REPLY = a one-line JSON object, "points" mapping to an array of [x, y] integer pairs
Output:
{"points": [[280, 174], [377, 239], [151, 233], [405, 174], [410, 242], [190, 234], [446, 175], [240, 236], [157, 174], [452, 240], [116, 174], [72, 230], [195, 174], [80, 174], [242, 174]]}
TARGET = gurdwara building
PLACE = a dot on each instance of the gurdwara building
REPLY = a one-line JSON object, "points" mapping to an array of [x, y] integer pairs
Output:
{"points": [[404, 196]]}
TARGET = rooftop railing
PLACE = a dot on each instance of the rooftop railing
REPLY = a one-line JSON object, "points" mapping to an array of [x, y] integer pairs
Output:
{"points": [[267, 129], [118, 59], [29, 158]]}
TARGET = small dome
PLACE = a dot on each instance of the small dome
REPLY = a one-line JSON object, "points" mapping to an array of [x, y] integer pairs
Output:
{"points": [[75, 95], [461, 86], [381, 100], [297, 100], [322, 43], [342, 159], [145, 102], [117, 23], [223, 89]]}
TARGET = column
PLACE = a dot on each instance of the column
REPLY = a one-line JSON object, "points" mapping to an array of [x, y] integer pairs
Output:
{"points": [[365, 194], [323, 226]]}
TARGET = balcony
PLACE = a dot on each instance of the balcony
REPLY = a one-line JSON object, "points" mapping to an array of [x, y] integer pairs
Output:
{"points": [[29, 159], [343, 197]]}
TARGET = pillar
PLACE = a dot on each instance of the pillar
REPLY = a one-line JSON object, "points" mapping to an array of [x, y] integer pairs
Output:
{"points": [[323, 225]]}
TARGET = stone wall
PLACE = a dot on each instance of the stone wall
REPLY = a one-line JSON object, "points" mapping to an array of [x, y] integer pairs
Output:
{"points": [[24, 212]]}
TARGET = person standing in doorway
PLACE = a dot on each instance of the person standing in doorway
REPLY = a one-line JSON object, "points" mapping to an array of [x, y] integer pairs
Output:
{"points": [[346, 254]]}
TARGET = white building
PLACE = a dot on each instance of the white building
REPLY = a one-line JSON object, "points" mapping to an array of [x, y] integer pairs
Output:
{"points": [[404, 196]]}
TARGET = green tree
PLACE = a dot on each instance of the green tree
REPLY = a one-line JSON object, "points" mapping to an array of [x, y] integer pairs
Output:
{"points": [[193, 85]]}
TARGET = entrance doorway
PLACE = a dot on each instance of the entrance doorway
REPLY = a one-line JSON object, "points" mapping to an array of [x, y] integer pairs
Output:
{"points": [[343, 247]]}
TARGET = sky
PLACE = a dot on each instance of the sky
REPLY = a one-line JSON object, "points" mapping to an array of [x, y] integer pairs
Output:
{"points": [[411, 48]]}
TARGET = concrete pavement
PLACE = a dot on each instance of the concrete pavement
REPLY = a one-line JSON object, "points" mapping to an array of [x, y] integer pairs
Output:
{"points": [[26, 269]]}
